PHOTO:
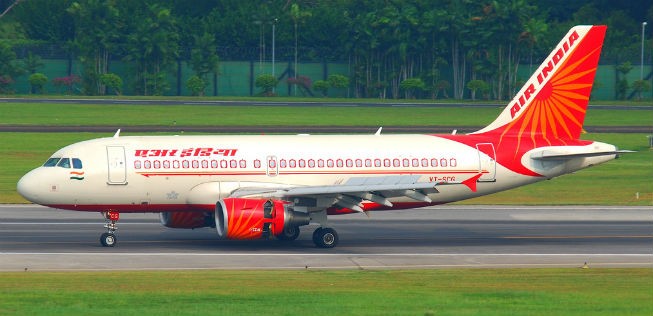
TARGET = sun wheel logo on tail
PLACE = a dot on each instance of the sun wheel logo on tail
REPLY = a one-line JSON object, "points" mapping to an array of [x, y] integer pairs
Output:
{"points": [[238, 218]]}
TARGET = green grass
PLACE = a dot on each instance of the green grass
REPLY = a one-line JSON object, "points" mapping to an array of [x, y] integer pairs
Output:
{"points": [[613, 183], [200, 115], [412, 292], [644, 102]]}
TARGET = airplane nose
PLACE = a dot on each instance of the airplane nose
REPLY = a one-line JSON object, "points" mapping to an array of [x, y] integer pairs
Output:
{"points": [[28, 186]]}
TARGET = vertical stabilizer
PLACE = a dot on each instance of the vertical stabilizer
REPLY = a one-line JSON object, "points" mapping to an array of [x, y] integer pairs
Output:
{"points": [[552, 103]]}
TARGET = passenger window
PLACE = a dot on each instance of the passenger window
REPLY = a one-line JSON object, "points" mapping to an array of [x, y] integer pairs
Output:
{"points": [[77, 164], [64, 163], [51, 162]]}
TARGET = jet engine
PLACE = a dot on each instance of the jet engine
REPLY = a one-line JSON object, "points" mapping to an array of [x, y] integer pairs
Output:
{"points": [[242, 218], [187, 220]]}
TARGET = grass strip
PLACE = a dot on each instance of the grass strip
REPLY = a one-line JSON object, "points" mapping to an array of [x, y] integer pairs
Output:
{"points": [[618, 182], [124, 115], [297, 99], [319, 292]]}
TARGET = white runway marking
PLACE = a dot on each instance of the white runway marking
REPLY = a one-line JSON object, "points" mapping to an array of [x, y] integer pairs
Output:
{"points": [[330, 254]]}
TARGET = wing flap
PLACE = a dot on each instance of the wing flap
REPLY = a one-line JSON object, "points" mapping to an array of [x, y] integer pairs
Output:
{"points": [[358, 189]]}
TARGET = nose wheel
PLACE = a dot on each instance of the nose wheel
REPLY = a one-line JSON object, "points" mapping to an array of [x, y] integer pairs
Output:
{"points": [[108, 239]]}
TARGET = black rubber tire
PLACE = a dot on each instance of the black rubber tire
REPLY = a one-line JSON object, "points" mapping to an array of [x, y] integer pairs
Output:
{"points": [[108, 240], [316, 235], [325, 237], [289, 233]]}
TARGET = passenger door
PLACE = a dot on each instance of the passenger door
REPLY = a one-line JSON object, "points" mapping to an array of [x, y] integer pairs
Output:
{"points": [[117, 165]]}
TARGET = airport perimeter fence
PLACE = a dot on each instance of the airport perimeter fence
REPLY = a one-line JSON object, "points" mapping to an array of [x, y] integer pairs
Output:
{"points": [[237, 78]]}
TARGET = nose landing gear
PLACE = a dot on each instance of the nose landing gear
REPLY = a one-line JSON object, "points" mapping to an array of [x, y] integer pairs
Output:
{"points": [[108, 239]]}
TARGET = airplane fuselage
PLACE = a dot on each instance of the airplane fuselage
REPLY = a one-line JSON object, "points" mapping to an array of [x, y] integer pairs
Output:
{"points": [[184, 173]]}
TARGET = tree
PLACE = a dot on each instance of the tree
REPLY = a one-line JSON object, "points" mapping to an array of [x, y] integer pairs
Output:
{"points": [[9, 69], [112, 81], [477, 85], [640, 86], [196, 85], [267, 82], [204, 58], [153, 47], [338, 81], [322, 86], [297, 16], [37, 81], [412, 86], [97, 36], [622, 84], [32, 63], [534, 30], [45, 20]]}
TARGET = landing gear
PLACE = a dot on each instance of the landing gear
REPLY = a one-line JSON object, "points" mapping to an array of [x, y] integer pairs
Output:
{"points": [[289, 233], [108, 239], [325, 237]]}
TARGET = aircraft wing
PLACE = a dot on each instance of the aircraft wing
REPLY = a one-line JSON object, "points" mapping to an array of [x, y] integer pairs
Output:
{"points": [[358, 189]]}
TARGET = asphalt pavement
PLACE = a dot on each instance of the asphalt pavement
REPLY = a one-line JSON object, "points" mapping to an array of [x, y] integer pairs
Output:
{"points": [[39, 238]]}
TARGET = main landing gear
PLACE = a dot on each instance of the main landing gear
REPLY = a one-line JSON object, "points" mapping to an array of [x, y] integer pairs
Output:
{"points": [[108, 239], [325, 237]]}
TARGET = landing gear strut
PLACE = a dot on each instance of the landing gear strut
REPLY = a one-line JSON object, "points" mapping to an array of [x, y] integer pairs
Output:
{"points": [[325, 237], [108, 239]]}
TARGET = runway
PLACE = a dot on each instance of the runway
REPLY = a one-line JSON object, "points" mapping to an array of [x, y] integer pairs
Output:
{"points": [[39, 238]]}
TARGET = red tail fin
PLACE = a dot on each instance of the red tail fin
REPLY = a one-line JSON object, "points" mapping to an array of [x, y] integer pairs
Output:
{"points": [[552, 103]]}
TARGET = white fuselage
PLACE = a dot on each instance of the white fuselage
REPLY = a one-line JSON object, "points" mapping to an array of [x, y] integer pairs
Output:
{"points": [[186, 173]]}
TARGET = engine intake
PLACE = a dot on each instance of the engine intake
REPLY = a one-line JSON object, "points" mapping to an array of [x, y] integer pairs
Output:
{"points": [[240, 218]]}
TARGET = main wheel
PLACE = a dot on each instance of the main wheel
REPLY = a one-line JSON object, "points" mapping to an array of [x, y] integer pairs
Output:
{"points": [[108, 240], [289, 233], [325, 237]]}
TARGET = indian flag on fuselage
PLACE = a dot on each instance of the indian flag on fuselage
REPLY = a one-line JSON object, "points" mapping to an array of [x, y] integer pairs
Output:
{"points": [[77, 175]]}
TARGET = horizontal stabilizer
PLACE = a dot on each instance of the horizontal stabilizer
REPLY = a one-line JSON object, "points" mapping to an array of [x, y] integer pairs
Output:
{"points": [[556, 155]]}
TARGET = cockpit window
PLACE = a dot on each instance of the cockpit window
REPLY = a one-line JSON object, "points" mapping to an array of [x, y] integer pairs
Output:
{"points": [[51, 162], [77, 164], [64, 163]]}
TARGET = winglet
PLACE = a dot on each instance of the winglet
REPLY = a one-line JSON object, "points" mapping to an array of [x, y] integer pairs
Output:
{"points": [[471, 182], [117, 134], [378, 132]]}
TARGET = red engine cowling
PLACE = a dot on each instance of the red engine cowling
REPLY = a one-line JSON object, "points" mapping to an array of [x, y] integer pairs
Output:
{"points": [[186, 220], [238, 218]]}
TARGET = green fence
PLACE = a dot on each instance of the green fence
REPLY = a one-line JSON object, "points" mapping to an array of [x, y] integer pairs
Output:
{"points": [[236, 78]]}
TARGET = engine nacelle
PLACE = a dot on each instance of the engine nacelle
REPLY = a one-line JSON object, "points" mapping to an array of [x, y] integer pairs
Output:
{"points": [[240, 218], [187, 220]]}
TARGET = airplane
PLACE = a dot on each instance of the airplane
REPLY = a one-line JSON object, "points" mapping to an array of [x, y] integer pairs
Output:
{"points": [[259, 186]]}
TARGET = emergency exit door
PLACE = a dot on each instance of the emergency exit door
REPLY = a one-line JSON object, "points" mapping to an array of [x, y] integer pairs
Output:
{"points": [[487, 163]]}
